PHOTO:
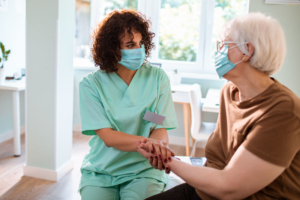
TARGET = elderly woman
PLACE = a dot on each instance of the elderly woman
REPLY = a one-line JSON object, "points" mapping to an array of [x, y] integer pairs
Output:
{"points": [[254, 151]]}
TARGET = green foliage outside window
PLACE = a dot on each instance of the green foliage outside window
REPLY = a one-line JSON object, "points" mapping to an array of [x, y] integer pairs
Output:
{"points": [[180, 22], [120, 4], [179, 29]]}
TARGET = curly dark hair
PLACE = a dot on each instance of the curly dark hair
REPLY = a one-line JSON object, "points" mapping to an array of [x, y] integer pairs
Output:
{"points": [[106, 38]]}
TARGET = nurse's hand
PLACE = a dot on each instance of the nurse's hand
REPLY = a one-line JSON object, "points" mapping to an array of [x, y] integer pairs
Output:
{"points": [[158, 148], [144, 152], [154, 161], [153, 158]]}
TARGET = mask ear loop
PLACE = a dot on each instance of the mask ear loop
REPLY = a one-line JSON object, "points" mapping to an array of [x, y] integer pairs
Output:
{"points": [[243, 60]]}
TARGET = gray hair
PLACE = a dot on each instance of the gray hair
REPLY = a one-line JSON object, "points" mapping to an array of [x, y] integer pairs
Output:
{"points": [[264, 33]]}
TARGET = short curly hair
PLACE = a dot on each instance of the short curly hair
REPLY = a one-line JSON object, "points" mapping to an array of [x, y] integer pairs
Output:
{"points": [[106, 38]]}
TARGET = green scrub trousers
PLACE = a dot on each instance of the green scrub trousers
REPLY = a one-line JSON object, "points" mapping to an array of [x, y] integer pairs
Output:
{"points": [[136, 189]]}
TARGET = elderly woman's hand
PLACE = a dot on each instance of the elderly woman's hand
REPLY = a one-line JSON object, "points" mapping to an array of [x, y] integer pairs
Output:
{"points": [[157, 152]]}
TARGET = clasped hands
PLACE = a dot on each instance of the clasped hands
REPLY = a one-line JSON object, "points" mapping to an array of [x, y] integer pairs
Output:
{"points": [[157, 152]]}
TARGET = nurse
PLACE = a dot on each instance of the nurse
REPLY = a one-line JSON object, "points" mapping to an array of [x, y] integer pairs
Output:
{"points": [[113, 102]]}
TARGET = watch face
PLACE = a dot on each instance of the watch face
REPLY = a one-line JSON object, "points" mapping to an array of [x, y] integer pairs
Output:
{"points": [[198, 161]]}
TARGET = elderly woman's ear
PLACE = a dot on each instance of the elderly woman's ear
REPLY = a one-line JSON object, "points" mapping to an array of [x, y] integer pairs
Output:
{"points": [[250, 48]]}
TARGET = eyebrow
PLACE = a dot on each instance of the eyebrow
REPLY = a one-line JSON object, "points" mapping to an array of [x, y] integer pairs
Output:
{"points": [[129, 42]]}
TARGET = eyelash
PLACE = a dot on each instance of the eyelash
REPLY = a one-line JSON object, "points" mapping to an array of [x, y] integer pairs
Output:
{"points": [[132, 44]]}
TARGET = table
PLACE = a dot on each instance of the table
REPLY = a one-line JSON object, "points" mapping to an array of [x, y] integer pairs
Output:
{"points": [[15, 86], [212, 101], [180, 94]]}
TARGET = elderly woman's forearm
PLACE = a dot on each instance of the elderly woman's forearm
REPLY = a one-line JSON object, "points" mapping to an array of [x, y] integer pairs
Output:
{"points": [[208, 180]]}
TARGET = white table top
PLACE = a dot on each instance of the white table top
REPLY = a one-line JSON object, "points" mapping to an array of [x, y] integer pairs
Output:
{"points": [[14, 85]]}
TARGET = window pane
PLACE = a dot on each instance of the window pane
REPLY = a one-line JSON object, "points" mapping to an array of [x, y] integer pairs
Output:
{"points": [[82, 29], [83, 21], [119, 4], [179, 29], [226, 10]]}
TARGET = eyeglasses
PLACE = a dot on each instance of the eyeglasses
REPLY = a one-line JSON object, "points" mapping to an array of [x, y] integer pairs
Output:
{"points": [[221, 44]]}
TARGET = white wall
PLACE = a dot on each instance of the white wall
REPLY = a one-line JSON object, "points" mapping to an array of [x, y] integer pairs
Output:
{"points": [[49, 89], [289, 18]]}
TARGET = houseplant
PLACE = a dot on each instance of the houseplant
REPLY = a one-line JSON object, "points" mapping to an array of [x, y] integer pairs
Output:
{"points": [[3, 58]]}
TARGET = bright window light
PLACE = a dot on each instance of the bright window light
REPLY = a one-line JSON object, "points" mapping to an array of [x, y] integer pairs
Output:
{"points": [[179, 25], [186, 30]]}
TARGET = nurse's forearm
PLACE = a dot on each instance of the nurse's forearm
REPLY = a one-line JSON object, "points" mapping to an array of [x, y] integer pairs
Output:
{"points": [[160, 134], [119, 140]]}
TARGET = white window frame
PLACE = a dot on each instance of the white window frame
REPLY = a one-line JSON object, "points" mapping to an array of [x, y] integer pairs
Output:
{"points": [[202, 63]]}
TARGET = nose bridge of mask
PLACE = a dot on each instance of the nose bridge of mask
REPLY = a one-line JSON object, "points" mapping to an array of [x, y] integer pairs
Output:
{"points": [[132, 53], [220, 57]]}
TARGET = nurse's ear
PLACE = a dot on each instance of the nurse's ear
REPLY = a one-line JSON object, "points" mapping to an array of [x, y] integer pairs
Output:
{"points": [[250, 49]]}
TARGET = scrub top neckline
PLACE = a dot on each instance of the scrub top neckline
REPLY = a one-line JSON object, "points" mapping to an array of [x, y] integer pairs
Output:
{"points": [[123, 82], [127, 88]]}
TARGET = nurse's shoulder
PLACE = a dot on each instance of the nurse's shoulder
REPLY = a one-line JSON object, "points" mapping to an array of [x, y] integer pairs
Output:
{"points": [[92, 79], [155, 71]]}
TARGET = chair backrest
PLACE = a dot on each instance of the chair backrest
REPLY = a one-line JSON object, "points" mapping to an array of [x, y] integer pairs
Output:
{"points": [[195, 98]]}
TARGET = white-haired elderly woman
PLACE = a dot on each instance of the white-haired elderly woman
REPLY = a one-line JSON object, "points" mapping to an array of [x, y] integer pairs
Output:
{"points": [[254, 151]]}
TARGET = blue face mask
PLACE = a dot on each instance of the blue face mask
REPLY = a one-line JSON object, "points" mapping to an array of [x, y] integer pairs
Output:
{"points": [[133, 58], [222, 63]]}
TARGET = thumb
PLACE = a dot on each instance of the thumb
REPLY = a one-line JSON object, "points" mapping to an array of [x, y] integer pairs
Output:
{"points": [[144, 140]]}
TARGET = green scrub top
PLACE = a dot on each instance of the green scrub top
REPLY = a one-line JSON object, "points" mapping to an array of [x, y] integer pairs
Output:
{"points": [[106, 101]]}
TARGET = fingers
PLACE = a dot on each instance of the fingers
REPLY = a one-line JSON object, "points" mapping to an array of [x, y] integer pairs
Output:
{"points": [[143, 153], [159, 164], [172, 153], [168, 148], [164, 154], [167, 169], [144, 146], [154, 162], [150, 147], [151, 159], [169, 154], [157, 150], [144, 140]]}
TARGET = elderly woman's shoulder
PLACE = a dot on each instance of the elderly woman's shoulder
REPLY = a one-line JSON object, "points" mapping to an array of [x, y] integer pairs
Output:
{"points": [[228, 87], [287, 99]]}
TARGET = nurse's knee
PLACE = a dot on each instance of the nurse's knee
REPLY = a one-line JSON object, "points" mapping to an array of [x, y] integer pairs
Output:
{"points": [[98, 193]]}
